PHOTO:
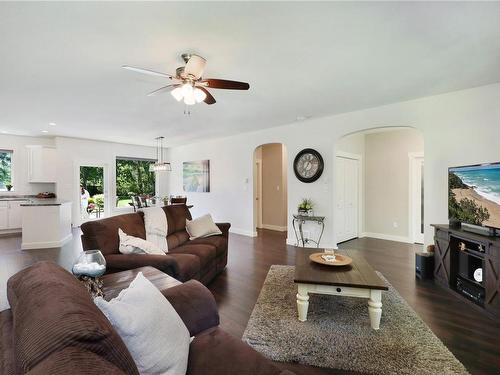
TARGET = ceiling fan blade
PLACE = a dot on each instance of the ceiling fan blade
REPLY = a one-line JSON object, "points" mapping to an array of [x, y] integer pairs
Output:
{"points": [[195, 66], [209, 99], [225, 84], [163, 89], [147, 71]]}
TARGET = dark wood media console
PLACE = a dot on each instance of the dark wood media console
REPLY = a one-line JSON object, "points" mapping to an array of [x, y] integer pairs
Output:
{"points": [[458, 255]]}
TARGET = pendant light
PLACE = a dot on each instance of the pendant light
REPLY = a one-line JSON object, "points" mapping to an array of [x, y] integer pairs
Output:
{"points": [[160, 164]]}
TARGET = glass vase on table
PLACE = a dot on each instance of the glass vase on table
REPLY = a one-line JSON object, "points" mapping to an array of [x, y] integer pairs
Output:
{"points": [[88, 268]]}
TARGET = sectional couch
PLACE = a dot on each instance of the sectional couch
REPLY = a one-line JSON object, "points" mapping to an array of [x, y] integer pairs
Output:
{"points": [[200, 259], [53, 327]]}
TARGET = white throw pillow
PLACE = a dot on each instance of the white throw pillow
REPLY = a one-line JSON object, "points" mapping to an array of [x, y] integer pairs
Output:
{"points": [[153, 332], [136, 245], [203, 226]]}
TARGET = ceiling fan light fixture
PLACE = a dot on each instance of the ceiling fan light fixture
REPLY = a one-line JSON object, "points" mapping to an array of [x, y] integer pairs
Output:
{"points": [[177, 94], [189, 100], [199, 95], [187, 89]]}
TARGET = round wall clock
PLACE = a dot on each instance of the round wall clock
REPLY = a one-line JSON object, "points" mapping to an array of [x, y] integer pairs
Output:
{"points": [[308, 165]]}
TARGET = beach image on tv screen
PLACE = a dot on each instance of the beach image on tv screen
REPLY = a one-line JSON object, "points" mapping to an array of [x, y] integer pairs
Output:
{"points": [[474, 195]]}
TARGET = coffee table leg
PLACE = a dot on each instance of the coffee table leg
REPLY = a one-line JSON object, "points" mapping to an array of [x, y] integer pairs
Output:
{"points": [[302, 302], [375, 308]]}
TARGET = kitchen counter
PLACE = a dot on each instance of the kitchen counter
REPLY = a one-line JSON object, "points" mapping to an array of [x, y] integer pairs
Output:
{"points": [[32, 200], [44, 202], [46, 223]]}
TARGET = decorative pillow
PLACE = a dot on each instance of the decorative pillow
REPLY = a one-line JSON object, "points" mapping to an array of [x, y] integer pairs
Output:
{"points": [[203, 226], [153, 332], [136, 245]]}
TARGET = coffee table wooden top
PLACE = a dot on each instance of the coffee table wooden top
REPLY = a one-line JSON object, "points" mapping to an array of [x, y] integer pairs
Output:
{"points": [[114, 283], [359, 274]]}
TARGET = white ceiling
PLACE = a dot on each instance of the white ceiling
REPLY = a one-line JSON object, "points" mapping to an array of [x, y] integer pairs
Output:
{"points": [[60, 62]]}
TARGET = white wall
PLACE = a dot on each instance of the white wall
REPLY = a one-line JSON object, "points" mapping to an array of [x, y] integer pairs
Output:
{"points": [[20, 171], [387, 181], [458, 128], [72, 151]]}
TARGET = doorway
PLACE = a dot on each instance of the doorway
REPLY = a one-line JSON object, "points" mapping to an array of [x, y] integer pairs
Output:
{"points": [[389, 187], [270, 187], [92, 192]]}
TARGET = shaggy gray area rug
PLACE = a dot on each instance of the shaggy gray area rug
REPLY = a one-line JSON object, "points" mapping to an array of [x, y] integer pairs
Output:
{"points": [[337, 333]]}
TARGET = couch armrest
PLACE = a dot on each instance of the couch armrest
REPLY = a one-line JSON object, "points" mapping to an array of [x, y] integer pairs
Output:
{"points": [[224, 228], [164, 263], [195, 305]]}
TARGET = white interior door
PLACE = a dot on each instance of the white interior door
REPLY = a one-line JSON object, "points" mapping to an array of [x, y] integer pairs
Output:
{"points": [[346, 198], [418, 199], [340, 225]]}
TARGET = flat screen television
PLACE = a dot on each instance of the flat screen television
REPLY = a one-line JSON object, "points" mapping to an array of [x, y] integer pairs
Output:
{"points": [[474, 195]]}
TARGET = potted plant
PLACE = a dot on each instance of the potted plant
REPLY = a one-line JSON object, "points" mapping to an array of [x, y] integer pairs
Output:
{"points": [[9, 187], [306, 206]]}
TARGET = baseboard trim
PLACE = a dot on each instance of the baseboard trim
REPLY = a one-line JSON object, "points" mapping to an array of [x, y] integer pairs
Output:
{"points": [[275, 227], [388, 237], [45, 245], [243, 232]]}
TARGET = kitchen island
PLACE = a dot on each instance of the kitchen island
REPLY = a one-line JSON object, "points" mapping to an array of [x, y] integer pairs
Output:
{"points": [[46, 223]]}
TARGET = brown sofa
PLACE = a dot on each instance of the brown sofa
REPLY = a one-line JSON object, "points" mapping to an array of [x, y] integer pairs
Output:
{"points": [[53, 327], [201, 259]]}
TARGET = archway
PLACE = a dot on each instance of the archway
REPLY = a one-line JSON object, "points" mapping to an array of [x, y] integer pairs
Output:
{"points": [[270, 188], [378, 185]]}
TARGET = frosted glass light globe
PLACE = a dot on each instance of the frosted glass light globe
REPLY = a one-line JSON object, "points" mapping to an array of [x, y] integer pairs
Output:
{"points": [[177, 94], [199, 95], [187, 89]]}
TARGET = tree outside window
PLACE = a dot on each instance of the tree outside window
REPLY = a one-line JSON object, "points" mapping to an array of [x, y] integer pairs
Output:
{"points": [[133, 178], [5, 170]]}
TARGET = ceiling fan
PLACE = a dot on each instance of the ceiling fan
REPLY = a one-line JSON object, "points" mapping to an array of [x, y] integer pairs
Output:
{"points": [[188, 84]]}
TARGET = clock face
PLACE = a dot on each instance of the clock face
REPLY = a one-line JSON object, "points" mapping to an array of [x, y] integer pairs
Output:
{"points": [[308, 165]]}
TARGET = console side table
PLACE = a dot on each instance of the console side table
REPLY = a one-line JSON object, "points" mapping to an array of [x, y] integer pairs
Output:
{"points": [[299, 220]]}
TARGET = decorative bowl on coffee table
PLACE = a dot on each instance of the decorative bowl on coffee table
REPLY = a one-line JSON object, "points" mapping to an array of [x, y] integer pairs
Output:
{"points": [[324, 258]]}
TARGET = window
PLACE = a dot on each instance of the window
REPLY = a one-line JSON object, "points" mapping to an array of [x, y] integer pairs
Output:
{"points": [[133, 178], [5, 170]]}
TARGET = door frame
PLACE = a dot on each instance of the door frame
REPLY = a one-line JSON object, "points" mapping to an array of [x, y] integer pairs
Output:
{"points": [[361, 203], [413, 157], [258, 187], [106, 185]]}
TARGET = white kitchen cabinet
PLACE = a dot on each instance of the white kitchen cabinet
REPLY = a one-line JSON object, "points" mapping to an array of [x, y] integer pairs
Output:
{"points": [[15, 220], [42, 164], [4, 215]]}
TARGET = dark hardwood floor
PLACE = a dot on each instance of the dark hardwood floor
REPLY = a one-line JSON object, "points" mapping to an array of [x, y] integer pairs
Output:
{"points": [[472, 337]]}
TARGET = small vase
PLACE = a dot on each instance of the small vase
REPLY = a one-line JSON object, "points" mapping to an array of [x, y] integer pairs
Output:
{"points": [[90, 263]]}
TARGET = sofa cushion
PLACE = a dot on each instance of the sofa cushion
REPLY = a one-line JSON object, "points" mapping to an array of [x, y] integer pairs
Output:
{"points": [[220, 243], [189, 266], [136, 245], [177, 214], [216, 352], [177, 239], [202, 226], [206, 253], [7, 358], [75, 361], [51, 311], [103, 234], [153, 331]]}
